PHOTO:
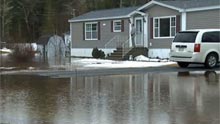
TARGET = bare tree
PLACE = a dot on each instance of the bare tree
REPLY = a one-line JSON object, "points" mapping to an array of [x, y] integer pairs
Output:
{"points": [[27, 8], [5, 18]]}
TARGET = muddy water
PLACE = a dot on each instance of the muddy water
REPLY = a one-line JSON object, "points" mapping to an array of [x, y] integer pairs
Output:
{"points": [[172, 98], [38, 62]]}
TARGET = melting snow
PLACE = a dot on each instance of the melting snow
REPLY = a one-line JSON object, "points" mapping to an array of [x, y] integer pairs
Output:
{"points": [[141, 61]]}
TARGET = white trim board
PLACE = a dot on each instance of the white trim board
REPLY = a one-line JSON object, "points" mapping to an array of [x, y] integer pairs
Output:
{"points": [[137, 12], [151, 3], [183, 21]]}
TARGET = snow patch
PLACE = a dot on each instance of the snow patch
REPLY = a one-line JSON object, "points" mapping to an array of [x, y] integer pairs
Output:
{"points": [[142, 62], [144, 58]]}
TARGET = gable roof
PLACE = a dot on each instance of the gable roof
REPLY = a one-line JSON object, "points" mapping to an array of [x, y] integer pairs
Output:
{"points": [[188, 4], [105, 14], [118, 13], [185, 5]]}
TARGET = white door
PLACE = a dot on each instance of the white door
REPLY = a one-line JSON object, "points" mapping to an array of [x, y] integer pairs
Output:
{"points": [[139, 36]]}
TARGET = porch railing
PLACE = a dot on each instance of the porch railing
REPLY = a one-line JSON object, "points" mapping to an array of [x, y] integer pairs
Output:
{"points": [[126, 47], [124, 43], [116, 41]]}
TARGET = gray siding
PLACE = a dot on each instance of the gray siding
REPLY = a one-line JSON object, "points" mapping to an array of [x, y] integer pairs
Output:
{"points": [[164, 43], [105, 34], [203, 19], [158, 11]]}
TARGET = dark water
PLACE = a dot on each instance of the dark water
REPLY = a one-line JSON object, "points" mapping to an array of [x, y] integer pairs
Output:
{"points": [[38, 62], [8, 61], [172, 98]]}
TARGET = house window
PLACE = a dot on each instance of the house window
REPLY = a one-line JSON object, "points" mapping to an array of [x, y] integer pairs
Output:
{"points": [[91, 31], [117, 26], [164, 27]]}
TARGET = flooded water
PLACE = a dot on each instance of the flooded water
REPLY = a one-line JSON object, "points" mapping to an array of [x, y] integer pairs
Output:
{"points": [[152, 98], [7, 61], [38, 62]]}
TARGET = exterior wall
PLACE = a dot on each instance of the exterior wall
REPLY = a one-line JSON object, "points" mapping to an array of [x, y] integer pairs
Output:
{"points": [[161, 53], [105, 34], [203, 19], [158, 11]]}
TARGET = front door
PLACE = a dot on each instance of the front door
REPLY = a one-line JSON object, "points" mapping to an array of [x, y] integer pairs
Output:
{"points": [[139, 36]]}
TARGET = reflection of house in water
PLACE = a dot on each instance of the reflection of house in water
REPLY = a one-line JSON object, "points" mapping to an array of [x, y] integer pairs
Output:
{"points": [[146, 98], [119, 85]]}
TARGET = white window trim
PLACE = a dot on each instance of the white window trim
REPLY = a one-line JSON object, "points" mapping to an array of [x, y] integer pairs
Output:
{"points": [[172, 26], [85, 30], [154, 18], [114, 21]]}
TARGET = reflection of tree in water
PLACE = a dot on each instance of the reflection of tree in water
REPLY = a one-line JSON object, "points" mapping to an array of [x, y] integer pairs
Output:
{"points": [[56, 50]]}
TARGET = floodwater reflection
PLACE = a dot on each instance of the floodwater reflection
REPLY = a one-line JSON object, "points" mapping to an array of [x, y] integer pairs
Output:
{"points": [[120, 99]]}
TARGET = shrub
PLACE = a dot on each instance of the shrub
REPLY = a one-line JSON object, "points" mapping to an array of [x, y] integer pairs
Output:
{"points": [[23, 52], [96, 53], [102, 54]]}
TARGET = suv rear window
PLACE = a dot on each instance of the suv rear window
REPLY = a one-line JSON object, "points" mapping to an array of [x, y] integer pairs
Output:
{"points": [[185, 37], [211, 37]]}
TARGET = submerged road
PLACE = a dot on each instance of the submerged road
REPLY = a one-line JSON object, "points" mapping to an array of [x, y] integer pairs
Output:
{"points": [[111, 71], [145, 98]]}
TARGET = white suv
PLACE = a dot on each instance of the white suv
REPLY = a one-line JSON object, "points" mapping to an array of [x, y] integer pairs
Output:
{"points": [[196, 46]]}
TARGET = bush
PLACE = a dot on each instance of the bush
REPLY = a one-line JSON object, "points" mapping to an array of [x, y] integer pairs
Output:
{"points": [[23, 53], [102, 54], [96, 53]]}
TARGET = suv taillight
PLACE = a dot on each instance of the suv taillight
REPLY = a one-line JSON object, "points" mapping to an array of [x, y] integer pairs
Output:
{"points": [[197, 47]]}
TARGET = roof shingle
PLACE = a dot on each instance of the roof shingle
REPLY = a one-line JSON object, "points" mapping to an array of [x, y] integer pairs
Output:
{"points": [[108, 13], [123, 12]]}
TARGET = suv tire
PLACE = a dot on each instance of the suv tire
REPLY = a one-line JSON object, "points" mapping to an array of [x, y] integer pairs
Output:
{"points": [[211, 60], [183, 64]]}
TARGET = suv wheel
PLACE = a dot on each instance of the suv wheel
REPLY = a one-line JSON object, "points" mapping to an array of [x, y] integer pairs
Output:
{"points": [[183, 64], [211, 60]]}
